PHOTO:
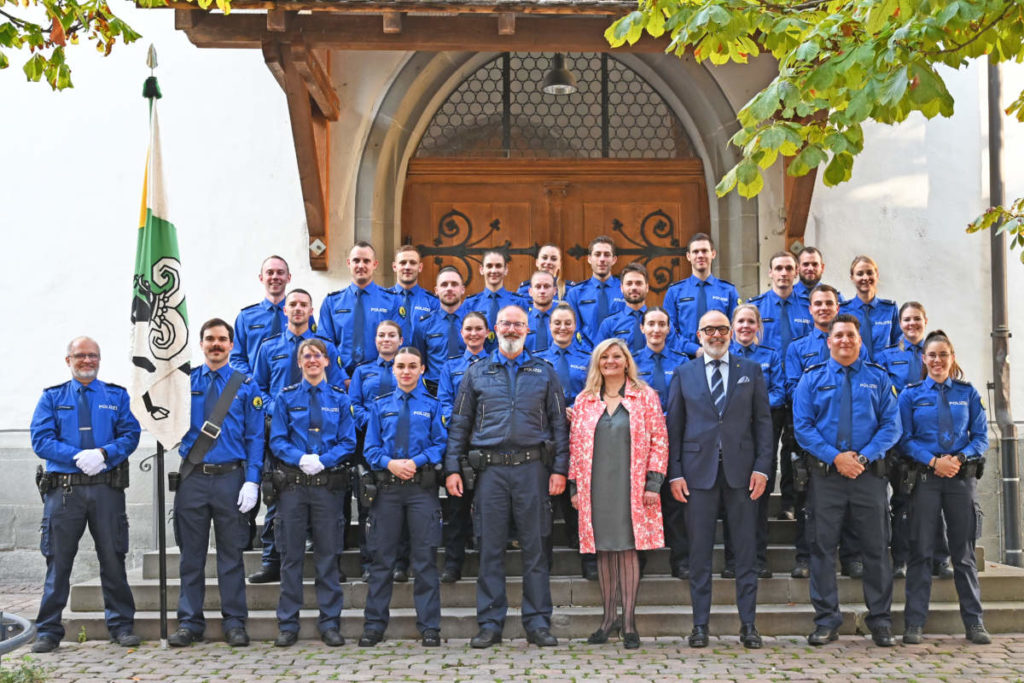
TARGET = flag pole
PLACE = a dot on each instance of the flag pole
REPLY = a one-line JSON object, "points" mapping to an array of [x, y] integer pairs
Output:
{"points": [[151, 91]]}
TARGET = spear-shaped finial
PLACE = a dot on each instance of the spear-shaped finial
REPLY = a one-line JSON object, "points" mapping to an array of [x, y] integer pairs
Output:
{"points": [[151, 89]]}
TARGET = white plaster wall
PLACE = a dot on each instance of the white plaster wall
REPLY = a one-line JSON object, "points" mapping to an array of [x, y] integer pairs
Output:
{"points": [[1013, 179]]}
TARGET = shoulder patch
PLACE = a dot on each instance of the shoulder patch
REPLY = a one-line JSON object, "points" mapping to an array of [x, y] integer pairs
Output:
{"points": [[257, 402], [312, 327]]}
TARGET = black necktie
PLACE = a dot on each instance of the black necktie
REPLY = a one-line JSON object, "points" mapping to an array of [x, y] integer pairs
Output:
{"points": [[85, 437], [402, 429], [358, 327], [316, 421], [718, 386], [844, 433], [387, 379], [944, 417], [212, 394], [453, 335]]}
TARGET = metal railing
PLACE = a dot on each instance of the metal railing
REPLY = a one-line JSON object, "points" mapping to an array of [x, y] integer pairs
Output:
{"points": [[15, 631]]}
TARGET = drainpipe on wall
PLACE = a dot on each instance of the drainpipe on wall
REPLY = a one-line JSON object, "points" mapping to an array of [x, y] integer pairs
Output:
{"points": [[1001, 335]]}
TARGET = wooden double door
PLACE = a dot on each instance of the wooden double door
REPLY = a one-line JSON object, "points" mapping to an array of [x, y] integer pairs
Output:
{"points": [[456, 209]]}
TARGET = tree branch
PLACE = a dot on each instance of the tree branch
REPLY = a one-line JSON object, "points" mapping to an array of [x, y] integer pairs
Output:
{"points": [[959, 46]]}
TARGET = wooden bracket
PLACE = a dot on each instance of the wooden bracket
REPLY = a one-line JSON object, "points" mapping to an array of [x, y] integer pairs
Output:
{"points": [[393, 22], [278, 20], [186, 19], [506, 24], [797, 193]]}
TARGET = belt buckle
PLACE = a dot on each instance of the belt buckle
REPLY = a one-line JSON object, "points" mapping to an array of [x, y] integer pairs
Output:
{"points": [[207, 468], [210, 429]]}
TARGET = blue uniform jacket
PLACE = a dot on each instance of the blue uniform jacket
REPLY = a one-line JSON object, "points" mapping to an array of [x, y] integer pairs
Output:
{"points": [[885, 322], [451, 378], [426, 433], [876, 417], [917, 406], [413, 304], [253, 325], [289, 428], [769, 304], [491, 413], [336, 314], [242, 431], [55, 435], [275, 358], [538, 320], [481, 302], [771, 368], [670, 360], [626, 326], [584, 300], [365, 388], [806, 352], [579, 361], [681, 304], [899, 362], [431, 338]]}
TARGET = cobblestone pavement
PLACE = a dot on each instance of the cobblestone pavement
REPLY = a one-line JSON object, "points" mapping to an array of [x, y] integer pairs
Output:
{"points": [[941, 658]]}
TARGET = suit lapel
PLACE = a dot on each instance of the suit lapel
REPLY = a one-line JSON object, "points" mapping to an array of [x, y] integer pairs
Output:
{"points": [[734, 377], [701, 372]]}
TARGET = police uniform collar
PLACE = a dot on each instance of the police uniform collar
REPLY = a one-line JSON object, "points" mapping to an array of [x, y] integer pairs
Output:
{"points": [[381, 361], [469, 355], [224, 371], [319, 386], [709, 280], [789, 299], [837, 367], [76, 385], [398, 393], [498, 357], [268, 305], [368, 289], [291, 336], [597, 282], [931, 383], [740, 347]]}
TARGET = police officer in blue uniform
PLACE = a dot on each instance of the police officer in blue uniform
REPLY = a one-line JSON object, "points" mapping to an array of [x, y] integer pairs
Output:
{"points": [[810, 268], [404, 443], [437, 334], [312, 434], [349, 317], [689, 299], [414, 301], [219, 479], [542, 297], [878, 317], [595, 299], [627, 323], [845, 416], [276, 367], [458, 522], [509, 424], [549, 259], [568, 353], [264, 319], [494, 297], [945, 431], [84, 431]]}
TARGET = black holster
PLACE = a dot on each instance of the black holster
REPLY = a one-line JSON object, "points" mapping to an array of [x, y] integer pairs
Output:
{"points": [[547, 454], [801, 471], [908, 476], [469, 473], [367, 486], [119, 477], [44, 482]]}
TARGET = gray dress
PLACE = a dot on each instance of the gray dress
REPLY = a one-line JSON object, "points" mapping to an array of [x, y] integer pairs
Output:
{"points": [[610, 483]]}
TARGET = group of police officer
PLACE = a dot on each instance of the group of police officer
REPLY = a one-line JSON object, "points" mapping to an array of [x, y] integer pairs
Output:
{"points": [[473, 394]]}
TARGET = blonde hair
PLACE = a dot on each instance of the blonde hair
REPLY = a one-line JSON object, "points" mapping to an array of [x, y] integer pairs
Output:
{"points": [[757, 316], [594, 378]]}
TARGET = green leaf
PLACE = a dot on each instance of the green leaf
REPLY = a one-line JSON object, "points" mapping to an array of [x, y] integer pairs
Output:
{"points": [[34, 67], [839, 170], [751, 189], [727, 183], [807, 51], [746, 172], [894, 87], [656, 24], [809, 158]]}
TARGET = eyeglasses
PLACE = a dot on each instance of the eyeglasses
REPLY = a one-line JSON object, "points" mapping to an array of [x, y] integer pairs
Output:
{"points": [[85, 356], [313, 356], [938, 356], [514, 325], [711, 330]]}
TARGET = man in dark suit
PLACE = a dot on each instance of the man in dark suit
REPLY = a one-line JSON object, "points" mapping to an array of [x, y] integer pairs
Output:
{"points": [[720, 449]]}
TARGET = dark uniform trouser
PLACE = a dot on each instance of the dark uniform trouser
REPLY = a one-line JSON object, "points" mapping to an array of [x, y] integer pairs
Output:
{"points": [[701, 516], [412, 506], [932, 497], [458, 529], [503, 493], [899, 505], [298, 509], [201, 498], [65, 516], [832, 502]]}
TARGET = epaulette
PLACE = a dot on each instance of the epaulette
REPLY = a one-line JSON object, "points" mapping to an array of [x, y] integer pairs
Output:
{"points": [[675, 353], [384, 289], [918, 383], [570, 283], [770, 348], [117, 386], [679, 282], [429, 293], [380, 397], [961, 382], [726, 282], [247, 380], [886, 301], [754, 298], [337, 291], [891, 346], [56, 386], [814, 367], [266, 339], [246, 308], [323, 338], [875, 366], [425, 316], [291, 387], [524, 283], [337, 389], [796, 339]]}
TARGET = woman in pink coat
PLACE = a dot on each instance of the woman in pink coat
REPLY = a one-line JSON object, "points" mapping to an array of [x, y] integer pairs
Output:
{"points": [[618, 453]]}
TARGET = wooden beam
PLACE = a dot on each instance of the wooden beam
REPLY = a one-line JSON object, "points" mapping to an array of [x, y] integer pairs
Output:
{"points": [[797, 193], [605, 8], [311, 134], [506, 24], [278, 20], [318, 82], [392, 22], [272, 56], [185, 19], [464, 32]]}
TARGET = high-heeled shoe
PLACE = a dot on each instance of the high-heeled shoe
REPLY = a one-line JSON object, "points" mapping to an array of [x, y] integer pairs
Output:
{"points": [[600, 636], [631, 641]]}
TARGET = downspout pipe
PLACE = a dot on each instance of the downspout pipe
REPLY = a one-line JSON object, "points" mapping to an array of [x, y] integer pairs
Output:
{"points": [[1001, 336]]}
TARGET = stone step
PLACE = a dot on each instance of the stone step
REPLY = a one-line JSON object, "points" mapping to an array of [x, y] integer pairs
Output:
{"points": [[569, 622], [999, 583]]}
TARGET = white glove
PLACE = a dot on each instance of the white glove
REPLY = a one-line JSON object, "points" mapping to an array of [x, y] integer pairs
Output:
{"points": [[310, 464], [90, 461], [247, 497]]}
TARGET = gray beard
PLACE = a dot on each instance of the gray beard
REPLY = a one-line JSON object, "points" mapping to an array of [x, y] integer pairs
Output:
{"points": [[511, 346]]}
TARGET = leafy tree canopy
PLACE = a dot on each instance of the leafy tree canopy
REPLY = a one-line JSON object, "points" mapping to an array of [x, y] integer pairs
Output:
{"points": [[841, 63]]}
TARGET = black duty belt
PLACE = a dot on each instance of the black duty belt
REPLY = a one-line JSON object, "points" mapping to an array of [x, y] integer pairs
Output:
{"points": [[512, 458], [386, 478], [292, 476], [76, 479], [223, 468]]}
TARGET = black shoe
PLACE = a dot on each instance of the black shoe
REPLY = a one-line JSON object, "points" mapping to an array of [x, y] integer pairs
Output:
{"points": [[370, 638], [786, 514], [332, 637], [183, 637], [450, 575], [286, 638], [590, 572], [900, 572], [541, 637], [699, 636], [977, 634], [44, 644], [431, 638], [631, 641], [800, 571], [127, 639], [266, 575], [400, 575], [236, 637], [729, 573], [823, 635], [883, 636], [913, 635], [943, 570], [855, 569], [764, 573], [750, 638], [600, 636], [681, 572], [485, 638]]}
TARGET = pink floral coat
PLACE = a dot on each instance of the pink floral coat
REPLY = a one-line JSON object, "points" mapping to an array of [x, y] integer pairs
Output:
{"points": [[649, 452]]}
